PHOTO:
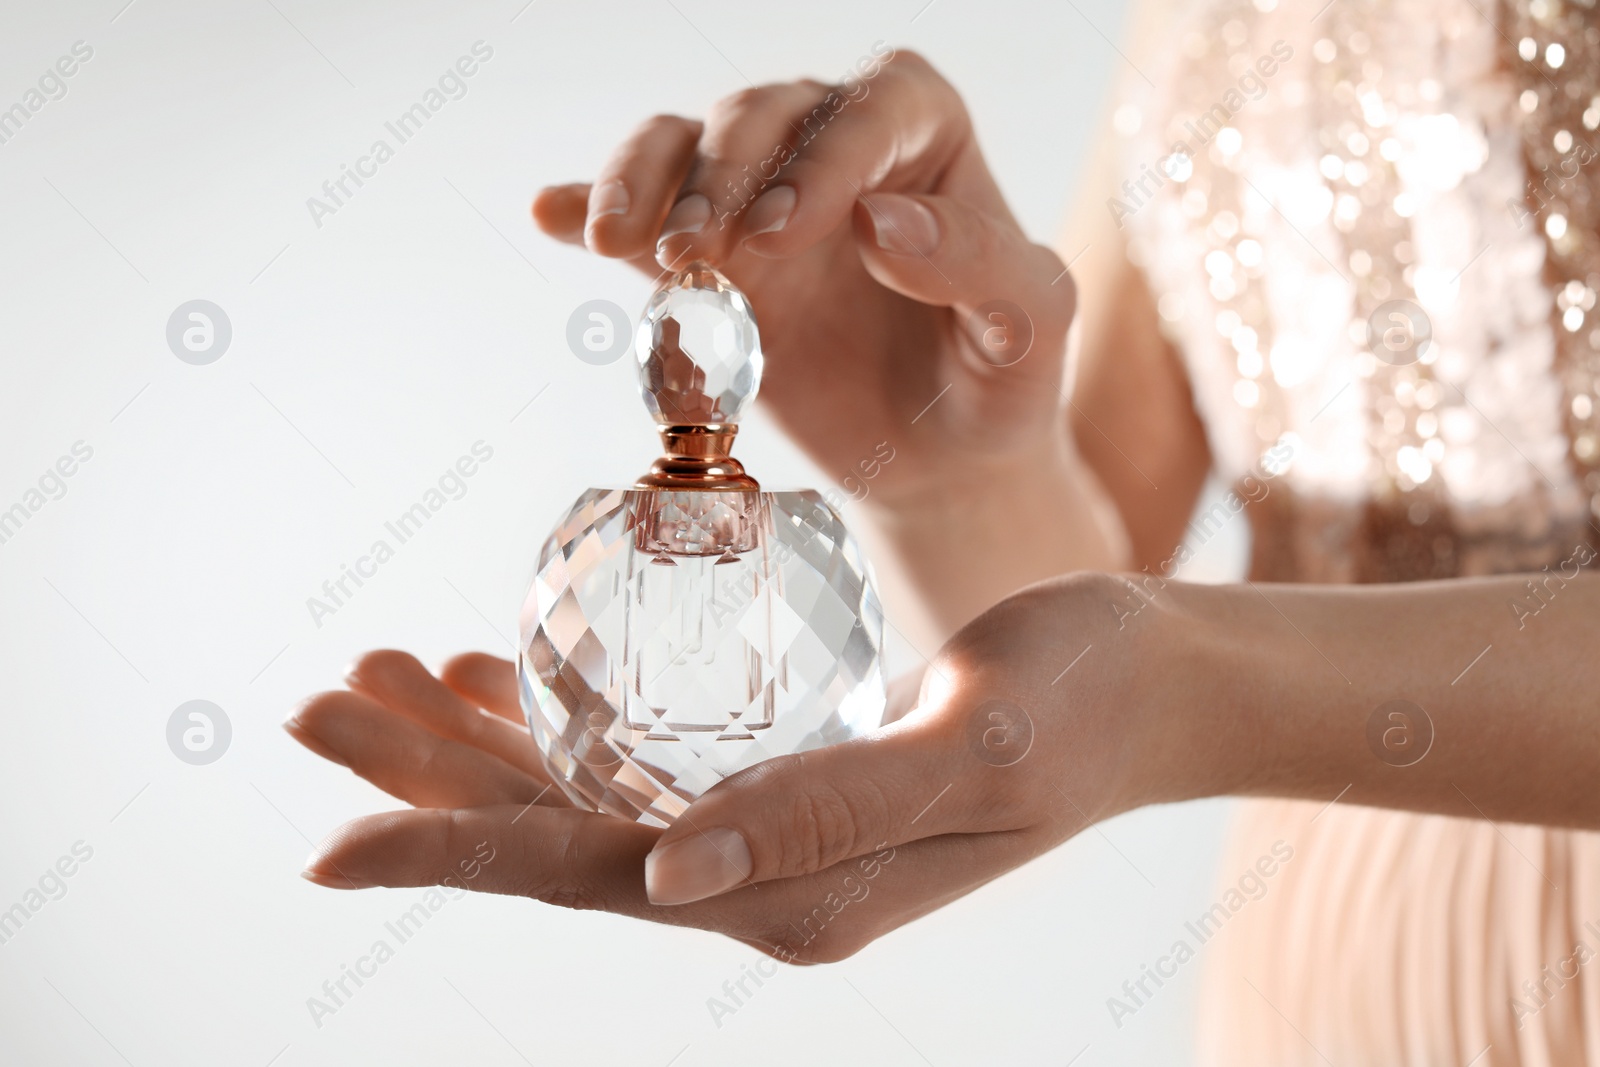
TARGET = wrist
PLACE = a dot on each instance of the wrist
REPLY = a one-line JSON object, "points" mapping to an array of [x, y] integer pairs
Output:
{"points": [[1165, 674], [1200, 688], [988, 526]]}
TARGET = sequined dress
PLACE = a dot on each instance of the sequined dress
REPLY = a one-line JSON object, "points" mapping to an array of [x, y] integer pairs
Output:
{"points": [[1373, 231]]}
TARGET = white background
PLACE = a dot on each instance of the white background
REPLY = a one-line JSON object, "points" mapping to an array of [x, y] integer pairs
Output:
{"points": [[367, 355]]}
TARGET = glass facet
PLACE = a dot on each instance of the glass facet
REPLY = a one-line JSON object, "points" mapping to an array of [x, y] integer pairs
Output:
{"points": [[698, 349], [672, 638]]}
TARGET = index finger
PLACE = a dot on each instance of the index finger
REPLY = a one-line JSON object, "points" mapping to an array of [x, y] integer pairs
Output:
{"points": [[899, 125]]}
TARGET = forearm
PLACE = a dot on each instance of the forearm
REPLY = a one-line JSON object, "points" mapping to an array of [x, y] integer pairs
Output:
{"points": [[1273, 691], [985, 533]]}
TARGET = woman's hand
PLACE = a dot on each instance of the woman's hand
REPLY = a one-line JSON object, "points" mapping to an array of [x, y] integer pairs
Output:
{"points": [[1020, 738], [903, 311], [866, 229]]}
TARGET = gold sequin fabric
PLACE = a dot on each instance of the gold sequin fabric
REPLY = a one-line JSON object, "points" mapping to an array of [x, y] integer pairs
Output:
{"points": [[1372, 233], [1371, 229]]}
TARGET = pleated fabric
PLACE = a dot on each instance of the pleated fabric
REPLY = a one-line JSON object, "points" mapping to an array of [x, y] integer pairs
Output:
{"points": [[1405, 940]]}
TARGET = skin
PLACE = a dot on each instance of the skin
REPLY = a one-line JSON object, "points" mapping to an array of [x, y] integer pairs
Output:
{"points": [[1118, 691]]}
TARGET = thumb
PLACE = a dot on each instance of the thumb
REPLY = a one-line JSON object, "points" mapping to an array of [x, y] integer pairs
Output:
{"points": [[800, 814], [1007, 293]]}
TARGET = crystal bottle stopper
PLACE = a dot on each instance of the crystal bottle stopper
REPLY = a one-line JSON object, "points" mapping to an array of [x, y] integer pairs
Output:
{"points": [[699, 357]]}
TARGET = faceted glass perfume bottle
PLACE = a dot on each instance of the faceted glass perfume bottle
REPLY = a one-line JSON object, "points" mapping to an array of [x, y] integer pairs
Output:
{"points": [[693, 625]]}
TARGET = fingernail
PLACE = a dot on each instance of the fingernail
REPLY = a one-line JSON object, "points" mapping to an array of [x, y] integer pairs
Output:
{"points": [[334, 881], [903, 225], [701, 866], [295, 730], [609, 199], [689, 215], [770, 213]]}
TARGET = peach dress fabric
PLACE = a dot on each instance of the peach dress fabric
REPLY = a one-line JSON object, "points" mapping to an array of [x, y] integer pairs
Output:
{"points": [[1297, 179]]}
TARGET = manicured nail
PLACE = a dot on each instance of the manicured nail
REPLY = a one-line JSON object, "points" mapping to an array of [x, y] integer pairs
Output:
{"points": [[689, 215], [770, 213], [903, 225], [701, 866], [335, 880], [609, 199], [295, 730]]}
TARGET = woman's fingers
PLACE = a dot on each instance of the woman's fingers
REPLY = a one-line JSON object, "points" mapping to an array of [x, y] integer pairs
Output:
{"points": [[560, 211], [741, 150], [488, 681], [796, 815], [1007, 292], [903, 129], [583, 860], [635, 189], [399, 682], [405, 760], [772, 170], [560, 855]]}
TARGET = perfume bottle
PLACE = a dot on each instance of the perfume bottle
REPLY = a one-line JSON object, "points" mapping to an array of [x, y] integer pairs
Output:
{"points": [[693, 624]]}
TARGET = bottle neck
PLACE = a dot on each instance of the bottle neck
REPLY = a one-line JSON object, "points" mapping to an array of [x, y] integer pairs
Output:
{"points": [[697, 457]]}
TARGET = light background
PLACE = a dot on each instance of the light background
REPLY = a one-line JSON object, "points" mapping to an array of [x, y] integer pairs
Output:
{"points": [[367, 355]]}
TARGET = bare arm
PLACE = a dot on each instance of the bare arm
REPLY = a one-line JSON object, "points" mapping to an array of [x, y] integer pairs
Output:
{"points": [[1112, 488], [1291, 692], [1133, 415]]}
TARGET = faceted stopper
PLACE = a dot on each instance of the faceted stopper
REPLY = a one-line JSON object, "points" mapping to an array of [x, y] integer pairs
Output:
{"points": [[699, 350]]}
